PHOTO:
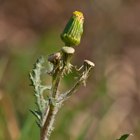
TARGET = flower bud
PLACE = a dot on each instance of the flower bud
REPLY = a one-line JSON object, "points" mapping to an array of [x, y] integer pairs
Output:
{"points": [[72, 33]]}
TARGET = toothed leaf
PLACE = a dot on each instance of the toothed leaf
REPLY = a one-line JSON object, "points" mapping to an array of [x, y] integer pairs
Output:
{"points": [[40, 66]]}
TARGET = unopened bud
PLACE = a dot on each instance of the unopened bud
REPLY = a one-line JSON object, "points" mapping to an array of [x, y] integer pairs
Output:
{"points": [[73, 31]]}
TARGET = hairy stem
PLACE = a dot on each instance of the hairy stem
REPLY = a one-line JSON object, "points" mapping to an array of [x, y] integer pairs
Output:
{"points": [[51, 110], [46, 128]]}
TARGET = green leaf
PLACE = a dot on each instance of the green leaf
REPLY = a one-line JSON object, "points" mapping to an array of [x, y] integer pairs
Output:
{"points": [[35, 113], [35, 77], [124, 137], [43, 87]]}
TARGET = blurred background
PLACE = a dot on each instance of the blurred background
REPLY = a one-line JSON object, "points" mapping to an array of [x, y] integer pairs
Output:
{"points": [[109, 105]]}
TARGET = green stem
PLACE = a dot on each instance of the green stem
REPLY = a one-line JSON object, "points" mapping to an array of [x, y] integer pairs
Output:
{"points": [[74, 88], [56, 80]]}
